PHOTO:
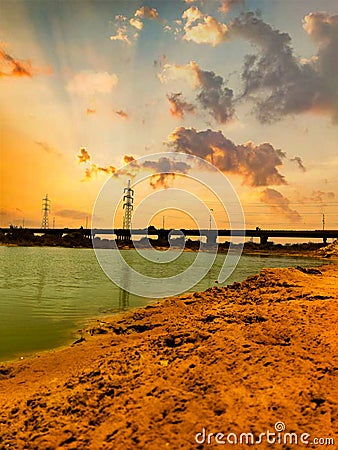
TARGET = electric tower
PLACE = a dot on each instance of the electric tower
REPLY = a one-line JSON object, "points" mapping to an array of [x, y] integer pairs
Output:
{"points": [[45, 210], [128, 200]]}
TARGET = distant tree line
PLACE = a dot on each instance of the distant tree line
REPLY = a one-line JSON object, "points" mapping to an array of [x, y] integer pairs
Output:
{"points": [[24, 237]]}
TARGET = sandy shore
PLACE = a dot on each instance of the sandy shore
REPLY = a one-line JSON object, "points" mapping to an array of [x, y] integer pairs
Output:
{"points": [[229, 360]]}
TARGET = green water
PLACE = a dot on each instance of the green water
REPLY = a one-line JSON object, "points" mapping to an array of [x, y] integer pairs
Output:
{"points": [[47, 294]]}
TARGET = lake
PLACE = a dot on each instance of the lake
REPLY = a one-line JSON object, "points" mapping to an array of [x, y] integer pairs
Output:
{"points": [[48, 294]]}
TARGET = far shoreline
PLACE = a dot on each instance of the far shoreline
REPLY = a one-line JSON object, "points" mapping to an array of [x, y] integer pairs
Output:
{"points": [[270, 249]]}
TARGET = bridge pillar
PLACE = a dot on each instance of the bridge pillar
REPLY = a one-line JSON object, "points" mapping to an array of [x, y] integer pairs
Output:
{"points": [[324, 240], [163, 237], [211, 237], [125, 236], [264, 239]]}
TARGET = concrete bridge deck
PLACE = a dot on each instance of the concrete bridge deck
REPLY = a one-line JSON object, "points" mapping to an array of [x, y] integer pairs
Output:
{"points": [[211, 235]]}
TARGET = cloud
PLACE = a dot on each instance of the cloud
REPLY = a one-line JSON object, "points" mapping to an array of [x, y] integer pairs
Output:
{"points": [[83, 156], [189, 73], [212, 93], [166, 165], [10, 215], [145, 12], [178, 106], [136, 23], [203, 29], [160, 61], [123, 35], [165, 171], [90, 111], [161, 180], [256, 164], [318, 197], [89, 83], [122, 114], [323, 29], [226, 5], [280, 83], [72, 214], [47, 148], [94, 170], [215, 97], [191, 15], [125, 29], [128, 159], [280, 204], [11, 67], [299, 161]]}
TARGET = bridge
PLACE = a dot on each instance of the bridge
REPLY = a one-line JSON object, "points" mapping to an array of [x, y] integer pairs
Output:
{"points": [[164, 234]]}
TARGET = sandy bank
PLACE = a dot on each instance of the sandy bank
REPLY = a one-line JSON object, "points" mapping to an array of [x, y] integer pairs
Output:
{"points": [[236, 359]]}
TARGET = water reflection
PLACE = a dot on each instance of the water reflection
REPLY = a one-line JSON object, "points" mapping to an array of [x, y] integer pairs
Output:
{"points": [[41, 282], [123, 294]]}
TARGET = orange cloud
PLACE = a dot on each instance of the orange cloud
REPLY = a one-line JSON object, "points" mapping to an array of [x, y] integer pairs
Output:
{"points": [[136, 23], [93, 170], [11, 67], [189, 73], [257, 165], [121, 35], [145, 12], [226, 5], [191, 15], [203, 29], [83, 156], [179, 106], [279, 204], [122, 114], [72, 214], [128, 159], [161, 180]]}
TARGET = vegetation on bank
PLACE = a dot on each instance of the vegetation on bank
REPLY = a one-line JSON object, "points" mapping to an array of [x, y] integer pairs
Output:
{"points": [[24, 237]]}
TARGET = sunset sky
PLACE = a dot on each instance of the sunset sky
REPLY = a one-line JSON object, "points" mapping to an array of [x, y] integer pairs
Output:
{"points": [[251, 86]]}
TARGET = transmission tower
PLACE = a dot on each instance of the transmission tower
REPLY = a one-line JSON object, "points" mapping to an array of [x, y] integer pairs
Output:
{"points": [[128, 207], [45, 210]]}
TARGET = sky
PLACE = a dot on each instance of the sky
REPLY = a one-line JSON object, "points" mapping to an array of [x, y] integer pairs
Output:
{"points": [[249, 86]]}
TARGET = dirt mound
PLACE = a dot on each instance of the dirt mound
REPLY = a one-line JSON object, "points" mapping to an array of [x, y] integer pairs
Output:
{"points": [[331, 250]]}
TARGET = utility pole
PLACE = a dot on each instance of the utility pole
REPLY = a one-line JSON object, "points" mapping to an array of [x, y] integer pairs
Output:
{"points": [[87, 223], [163, 222], [45, 210], [210, 218], [323, 221], [53, 223]]}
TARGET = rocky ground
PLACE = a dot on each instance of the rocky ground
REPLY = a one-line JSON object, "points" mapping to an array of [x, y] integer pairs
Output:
{"points": [[229, 360]]}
